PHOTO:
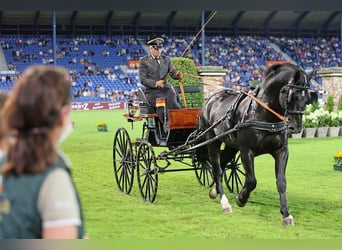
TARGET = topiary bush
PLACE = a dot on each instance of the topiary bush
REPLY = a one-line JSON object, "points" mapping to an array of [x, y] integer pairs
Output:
{"points": [[329, 106], [188, 66], [315, 106], [339, 107]]}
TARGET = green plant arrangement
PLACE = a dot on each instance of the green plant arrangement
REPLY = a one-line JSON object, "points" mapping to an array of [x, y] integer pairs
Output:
{"points": [[188, 67], [310, 120], [315, 106], [335, 119], [338, 158], [329, 106], [338, 161], [101, 126], [339, 107], [323, 117]]}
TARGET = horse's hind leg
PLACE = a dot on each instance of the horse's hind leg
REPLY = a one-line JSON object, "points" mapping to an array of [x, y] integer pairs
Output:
{"points": [[214, 156]]}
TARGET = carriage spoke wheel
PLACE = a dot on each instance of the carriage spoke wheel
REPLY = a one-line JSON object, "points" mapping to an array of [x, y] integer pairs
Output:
{"points": [[234, 175], [123, 161], [203, 171], [147, 172]]}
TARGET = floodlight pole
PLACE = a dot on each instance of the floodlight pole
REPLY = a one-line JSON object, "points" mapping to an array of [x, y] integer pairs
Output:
{"points": [[341, 35], [203, 38], [54, 36]]}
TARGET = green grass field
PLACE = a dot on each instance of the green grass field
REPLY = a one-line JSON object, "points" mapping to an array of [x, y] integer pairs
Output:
{"points": [[183, 210]]}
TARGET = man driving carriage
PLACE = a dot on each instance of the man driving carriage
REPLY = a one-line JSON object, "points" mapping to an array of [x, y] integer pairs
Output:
{"points": [[153, 71]]}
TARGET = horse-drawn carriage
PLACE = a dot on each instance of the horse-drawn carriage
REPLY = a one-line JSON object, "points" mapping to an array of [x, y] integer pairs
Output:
{"points": [[139, 155], [232, 126]]}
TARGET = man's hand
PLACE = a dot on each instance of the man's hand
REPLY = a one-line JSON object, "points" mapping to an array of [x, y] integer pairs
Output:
{"points": [[179, 75], [160, 84]]}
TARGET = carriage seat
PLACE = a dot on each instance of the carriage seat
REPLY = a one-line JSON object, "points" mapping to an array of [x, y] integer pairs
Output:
{"points": [[190, 99], [189, 89], [146, 108]]}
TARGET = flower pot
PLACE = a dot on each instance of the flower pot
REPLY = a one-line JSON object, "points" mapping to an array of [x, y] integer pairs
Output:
{"points": [[333, 131], [309, 132], [321, 131], [338, 167], [102, 129], [298, 135]]}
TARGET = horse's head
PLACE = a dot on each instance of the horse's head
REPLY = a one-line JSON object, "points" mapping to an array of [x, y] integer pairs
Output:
{"points": [[294, 95]]}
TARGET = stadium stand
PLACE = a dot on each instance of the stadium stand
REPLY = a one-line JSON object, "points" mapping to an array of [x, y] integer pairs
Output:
{"points": [[99, 69]]}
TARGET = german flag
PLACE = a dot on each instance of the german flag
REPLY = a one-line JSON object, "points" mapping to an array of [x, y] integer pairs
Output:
{"points": [[160, 102]]}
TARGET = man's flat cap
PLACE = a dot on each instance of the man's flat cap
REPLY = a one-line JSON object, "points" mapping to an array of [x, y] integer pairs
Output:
{"points": [[156, 42]]}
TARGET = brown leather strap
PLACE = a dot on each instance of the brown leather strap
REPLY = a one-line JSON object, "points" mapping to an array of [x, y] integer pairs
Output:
{"points": [[183, 93]]}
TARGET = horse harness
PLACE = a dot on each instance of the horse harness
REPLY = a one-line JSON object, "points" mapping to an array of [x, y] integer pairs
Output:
{"points": [[285, 98], [286, 94]]}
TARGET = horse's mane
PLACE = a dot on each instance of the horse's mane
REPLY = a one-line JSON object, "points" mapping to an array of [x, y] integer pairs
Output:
{"points": [[273, 70]]}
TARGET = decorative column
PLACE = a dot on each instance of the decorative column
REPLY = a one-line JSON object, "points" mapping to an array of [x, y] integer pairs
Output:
{"points": [[331, 83], [214, 77]]}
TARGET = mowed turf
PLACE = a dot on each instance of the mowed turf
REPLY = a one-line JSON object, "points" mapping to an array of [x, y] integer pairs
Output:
{"points": [[183, 210]]}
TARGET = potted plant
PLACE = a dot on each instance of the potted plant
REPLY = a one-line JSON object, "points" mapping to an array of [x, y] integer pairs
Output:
{"points": [[339, 106], [323, 120], [338, 161], [309, 123], [101, 126], [329, 106], [334, 124]]}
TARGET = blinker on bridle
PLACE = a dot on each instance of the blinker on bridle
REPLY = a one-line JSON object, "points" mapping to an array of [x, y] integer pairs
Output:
{"points": [[286, 98]]}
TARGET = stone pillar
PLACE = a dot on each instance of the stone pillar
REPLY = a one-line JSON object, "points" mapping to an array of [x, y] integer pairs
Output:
{"points": [[331, 83], [213, 76]]}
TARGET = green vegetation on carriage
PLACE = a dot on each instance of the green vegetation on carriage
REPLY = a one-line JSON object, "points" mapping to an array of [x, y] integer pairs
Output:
{"points": [[187, 66], [183, 210]]}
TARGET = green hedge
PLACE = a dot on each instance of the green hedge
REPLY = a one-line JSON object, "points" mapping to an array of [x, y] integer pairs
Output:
{"points": [[188, 66]]}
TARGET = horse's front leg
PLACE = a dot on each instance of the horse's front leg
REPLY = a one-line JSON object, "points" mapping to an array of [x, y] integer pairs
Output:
{"points": [[247, 159], [214, 156], [281, 157]]}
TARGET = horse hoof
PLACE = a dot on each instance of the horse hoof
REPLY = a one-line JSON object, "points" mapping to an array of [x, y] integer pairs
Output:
{"points": [[288, 221], [213, 193], [238, 202], [227, 210]]}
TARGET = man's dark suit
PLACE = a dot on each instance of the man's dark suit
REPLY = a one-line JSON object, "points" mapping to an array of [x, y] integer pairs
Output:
{"points": [[149, 72]]}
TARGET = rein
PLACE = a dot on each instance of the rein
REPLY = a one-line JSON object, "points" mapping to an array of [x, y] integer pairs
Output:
{"points": [[288, 86], [182, 54], [264, 105]]}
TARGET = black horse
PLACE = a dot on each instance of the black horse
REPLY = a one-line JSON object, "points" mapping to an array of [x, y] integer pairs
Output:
{"points": [[255, 123]]}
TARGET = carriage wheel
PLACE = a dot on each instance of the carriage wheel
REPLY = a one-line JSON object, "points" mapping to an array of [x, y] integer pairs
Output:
{"points": [[123, 161], [204, 172], [147, 172], [234, 175]]}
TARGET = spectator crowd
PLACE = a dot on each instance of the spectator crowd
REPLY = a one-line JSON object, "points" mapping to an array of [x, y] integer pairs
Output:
{"points": [[98, 64]]}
